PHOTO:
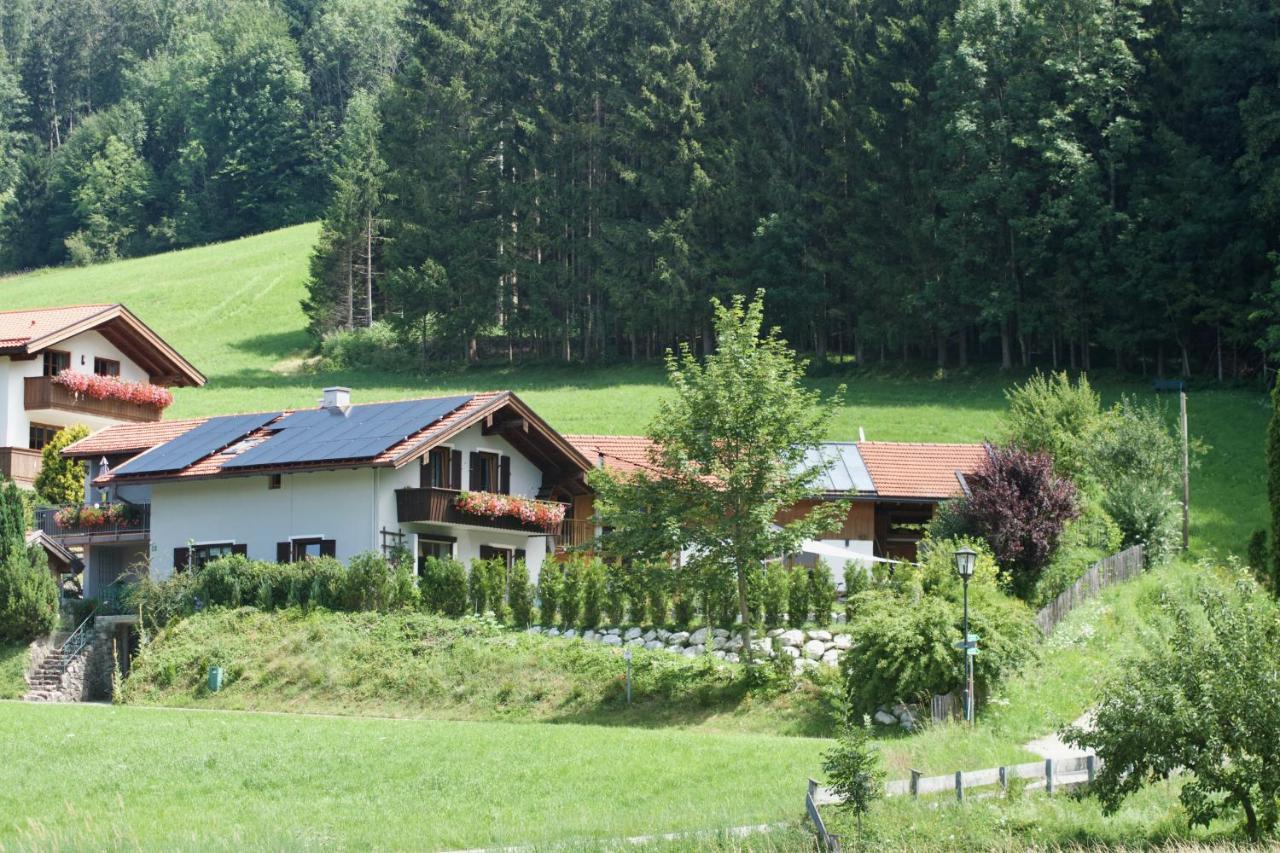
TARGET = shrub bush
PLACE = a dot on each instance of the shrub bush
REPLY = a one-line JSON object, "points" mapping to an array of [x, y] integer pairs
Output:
{"points": [[593, 593], [571, 591], [659, 585], [856, 580], [798, 597], [370, 584], [61, 481], [444, 586], [774, 598], [520, 595], [550, 583], [822, 593], [28, 595], [615, 593], [1258, 557], [1051, 414], [373, 348]]}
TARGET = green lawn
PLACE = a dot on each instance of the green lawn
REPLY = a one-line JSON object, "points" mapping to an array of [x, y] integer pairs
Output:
{"points": [[101, 776]]}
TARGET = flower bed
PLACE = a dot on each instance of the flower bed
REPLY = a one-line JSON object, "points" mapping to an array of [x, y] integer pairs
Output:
{"points": [[542, 513], [114, 388], [119, 515]]}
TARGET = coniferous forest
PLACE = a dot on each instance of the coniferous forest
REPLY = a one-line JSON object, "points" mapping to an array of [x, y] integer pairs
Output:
{"points": [[1087, 183]]}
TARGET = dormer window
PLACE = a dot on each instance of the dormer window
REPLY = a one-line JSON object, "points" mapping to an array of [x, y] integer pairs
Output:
{"points": [[106, 367], [56, 361]]}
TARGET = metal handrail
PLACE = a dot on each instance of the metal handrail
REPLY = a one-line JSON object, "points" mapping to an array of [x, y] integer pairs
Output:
{"points": [[74, 645]]}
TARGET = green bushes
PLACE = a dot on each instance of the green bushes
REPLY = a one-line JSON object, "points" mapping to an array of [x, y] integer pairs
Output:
{"points": [[571, 591], [856, 580], [550, 587], [822, 592], [774, 594], [444, 586], [797, 597], [593, 594], [28, 593], [520, 595]]}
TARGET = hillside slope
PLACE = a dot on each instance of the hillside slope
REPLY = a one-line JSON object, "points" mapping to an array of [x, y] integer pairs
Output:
{"points": [[234, 310]]}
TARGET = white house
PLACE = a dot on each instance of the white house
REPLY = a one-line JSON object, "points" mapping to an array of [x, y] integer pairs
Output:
{"points": [[342, 479], [106, 342]]}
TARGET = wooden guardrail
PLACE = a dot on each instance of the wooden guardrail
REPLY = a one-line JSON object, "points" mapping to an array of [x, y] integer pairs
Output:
{"points": [[1102, 574]]}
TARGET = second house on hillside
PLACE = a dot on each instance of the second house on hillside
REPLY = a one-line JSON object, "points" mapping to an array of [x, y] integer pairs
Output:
{"points": [[465, 476], [95, 365]]}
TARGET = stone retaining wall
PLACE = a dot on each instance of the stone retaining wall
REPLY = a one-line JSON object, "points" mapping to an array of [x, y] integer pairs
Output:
{"points": [[809, 648]]}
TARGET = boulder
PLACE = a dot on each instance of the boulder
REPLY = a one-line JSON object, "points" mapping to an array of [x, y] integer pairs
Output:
{"points": [[632, 633], [720, 653], [613, 632], [794, 637], [553, 632], [885, 719], [775, 632], [790, 651], [734, 644], [663, 633], [907, 719], [678, 638], [589, 635], [635, 641], [697, 650], [718, 642], [814, 649], [698, 637], [730, 657], [569, 633], [842, 641], [824, 636], [654, 644], [689, 652], [534, 630], [719, 632], [612, 640], [831, 657], [650, 635]]}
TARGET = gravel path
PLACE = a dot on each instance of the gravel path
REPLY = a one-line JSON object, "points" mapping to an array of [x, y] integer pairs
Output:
{"points": [[1051, 746]]}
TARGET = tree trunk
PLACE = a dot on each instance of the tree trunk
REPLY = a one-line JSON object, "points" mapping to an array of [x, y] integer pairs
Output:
{"points": [[746, 617], [1250, 817], [941, 339], [1006, 345], [368, 268]]}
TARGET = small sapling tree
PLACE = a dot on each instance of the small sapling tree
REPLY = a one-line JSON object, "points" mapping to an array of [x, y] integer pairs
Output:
{"points": [[854, 771]]}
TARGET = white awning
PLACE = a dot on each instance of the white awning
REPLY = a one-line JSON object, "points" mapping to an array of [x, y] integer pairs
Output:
{"points": [[835, 552]]}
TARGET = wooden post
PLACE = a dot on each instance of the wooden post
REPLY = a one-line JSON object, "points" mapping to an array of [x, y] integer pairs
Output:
{"points": [[1004, 778], [1048, 775], [1091, 765], [960, 786], [1186, 475], [915, 784]]}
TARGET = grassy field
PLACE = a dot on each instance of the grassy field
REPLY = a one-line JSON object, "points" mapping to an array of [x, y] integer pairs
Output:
{"points": [[13, 660], [233, 309], [160, 779], [415, 665]]}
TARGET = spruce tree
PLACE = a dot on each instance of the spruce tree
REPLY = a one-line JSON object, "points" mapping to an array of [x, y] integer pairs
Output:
{"points": [[1273, 483]]}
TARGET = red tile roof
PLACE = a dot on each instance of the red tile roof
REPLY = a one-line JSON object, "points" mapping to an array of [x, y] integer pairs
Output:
{"points": [[129, 438], [902, 470], [18, 327], [621, 453]]}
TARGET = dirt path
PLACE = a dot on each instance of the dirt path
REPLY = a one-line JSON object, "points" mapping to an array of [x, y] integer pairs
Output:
{"points": [[1052, 746]]}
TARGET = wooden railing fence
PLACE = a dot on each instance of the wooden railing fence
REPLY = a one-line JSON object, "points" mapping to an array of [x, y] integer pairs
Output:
{"points": [[1107, 571]]}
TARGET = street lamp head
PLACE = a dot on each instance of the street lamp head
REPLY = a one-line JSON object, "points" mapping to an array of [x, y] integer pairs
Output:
{"points": [[966, 559]]}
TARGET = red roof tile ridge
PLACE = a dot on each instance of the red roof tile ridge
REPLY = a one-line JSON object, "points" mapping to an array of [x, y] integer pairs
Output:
{"points": [[102, 305]]}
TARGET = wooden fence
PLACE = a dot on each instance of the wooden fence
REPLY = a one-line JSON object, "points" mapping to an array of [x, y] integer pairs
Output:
{"points": [[1107, 571]]}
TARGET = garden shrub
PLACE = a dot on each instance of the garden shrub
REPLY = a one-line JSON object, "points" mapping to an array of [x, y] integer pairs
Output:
{"points": [[1050, 414], [496, 586], [374, 347], [856, 580], [369, 584], [1020, 507], [659, 602], [798, 597], [593, 593], [550, 583], [1148, 514], [1258, 557], [28, 595], [519, 595], [822, 593], [444, 586], [615, 593], [571, 591], [774, 598], [61, 480]]}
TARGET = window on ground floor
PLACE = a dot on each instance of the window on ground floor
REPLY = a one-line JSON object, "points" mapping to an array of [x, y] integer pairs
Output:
{"points": [[508, 556], [305, 548], [197, 556], [40, 435], [433, 547]]}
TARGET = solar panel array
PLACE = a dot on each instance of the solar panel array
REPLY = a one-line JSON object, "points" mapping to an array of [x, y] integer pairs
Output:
{"points": [[841, 468], [361, 432], [192, 446]]}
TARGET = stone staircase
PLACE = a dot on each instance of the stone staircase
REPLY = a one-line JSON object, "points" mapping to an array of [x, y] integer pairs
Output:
{"points": [[44, 684]]}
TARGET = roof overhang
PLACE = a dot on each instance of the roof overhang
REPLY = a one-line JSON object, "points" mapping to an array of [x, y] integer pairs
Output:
{"points": [[122, 328]]}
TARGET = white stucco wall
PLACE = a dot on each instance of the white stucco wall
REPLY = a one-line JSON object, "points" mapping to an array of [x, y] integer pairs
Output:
{"points": [[14, 422]]}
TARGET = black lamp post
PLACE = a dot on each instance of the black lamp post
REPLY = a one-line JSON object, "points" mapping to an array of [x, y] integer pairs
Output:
{"points": [[966, 559]]}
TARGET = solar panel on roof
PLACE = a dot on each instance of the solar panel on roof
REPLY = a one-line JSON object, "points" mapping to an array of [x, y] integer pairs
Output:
{"points": [[195, 444], [362, 432], [841, 468]]}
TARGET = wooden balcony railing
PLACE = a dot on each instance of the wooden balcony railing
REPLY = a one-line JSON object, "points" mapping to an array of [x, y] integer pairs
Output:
{"points": [[40, 392], [439, 506], [19, 464]]}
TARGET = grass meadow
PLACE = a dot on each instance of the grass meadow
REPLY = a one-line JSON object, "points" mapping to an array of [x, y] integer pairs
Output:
{"points": [[234, 310], [160, 779]]}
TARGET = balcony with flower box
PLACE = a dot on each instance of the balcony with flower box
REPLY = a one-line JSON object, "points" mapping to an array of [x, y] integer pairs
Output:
{"points": [[97, 525], [103, 396], [435, 505]]}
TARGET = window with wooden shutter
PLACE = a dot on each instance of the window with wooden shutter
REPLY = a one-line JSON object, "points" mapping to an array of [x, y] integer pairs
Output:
{"points": [[504, 475], [474, 483], [455, 470], [181, 558], [328, 548]]}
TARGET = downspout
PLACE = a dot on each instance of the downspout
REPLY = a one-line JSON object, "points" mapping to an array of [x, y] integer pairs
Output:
{"points": [[373, 515]]}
